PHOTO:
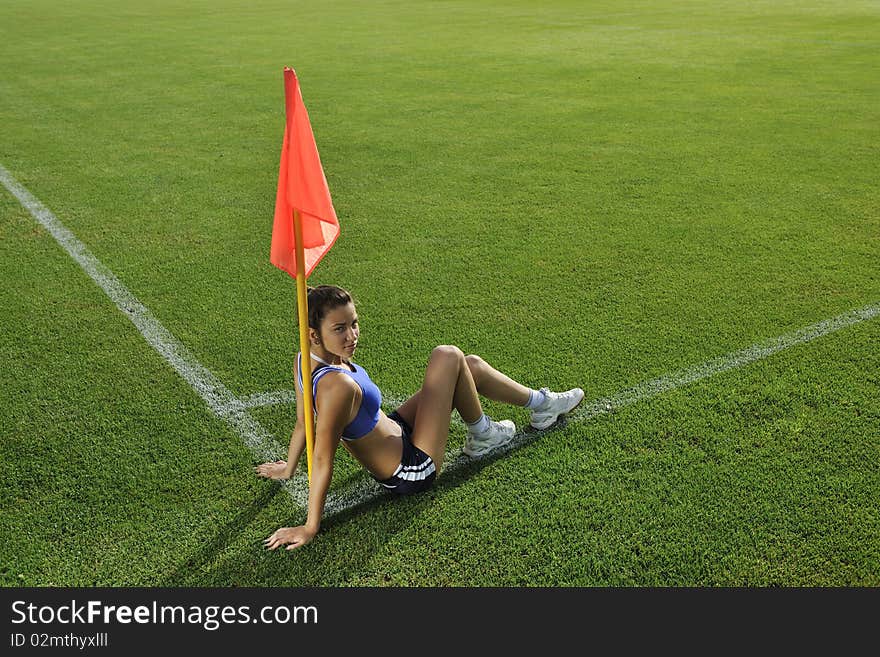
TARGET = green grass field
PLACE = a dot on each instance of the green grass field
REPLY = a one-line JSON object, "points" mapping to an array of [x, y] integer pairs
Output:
{"points": [[591, 194]]}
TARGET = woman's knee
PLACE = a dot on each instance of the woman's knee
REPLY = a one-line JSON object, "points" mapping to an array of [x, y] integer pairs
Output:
{"points": [[447, 352], [475, 365]]}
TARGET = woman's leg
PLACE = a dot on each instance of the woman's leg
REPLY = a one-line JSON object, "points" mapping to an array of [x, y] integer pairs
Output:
{"points": [[471, 376], [448, 384], [490, 383], [494, 385]]}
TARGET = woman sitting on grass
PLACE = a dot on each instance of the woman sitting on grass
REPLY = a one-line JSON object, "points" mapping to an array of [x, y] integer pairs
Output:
{"points": [[403, 451]]}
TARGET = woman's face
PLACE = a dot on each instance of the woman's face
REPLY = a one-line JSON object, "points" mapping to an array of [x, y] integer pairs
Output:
{"points": [[340, 331]]}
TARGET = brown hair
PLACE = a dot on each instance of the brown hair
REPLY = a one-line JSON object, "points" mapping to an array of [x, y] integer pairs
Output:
{"points": [[323, 299]]}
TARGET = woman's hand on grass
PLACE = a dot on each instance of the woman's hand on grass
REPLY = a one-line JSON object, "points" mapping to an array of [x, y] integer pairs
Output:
{"points": [[292, 537], [273, 470]]}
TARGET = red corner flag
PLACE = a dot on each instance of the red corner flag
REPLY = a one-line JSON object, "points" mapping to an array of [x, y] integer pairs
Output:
{"points": [[302, 187]]}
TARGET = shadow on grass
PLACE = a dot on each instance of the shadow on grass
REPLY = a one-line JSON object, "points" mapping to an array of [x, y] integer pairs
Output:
{"points": [[181, 576], [348, 541]]}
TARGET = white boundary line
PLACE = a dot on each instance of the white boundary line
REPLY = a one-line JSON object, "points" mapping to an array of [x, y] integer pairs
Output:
{"points": [[276, 398], [233, 410]]}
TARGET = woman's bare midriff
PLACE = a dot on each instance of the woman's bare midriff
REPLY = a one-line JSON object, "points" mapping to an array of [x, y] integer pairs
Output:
{"points": [[380, 450]]}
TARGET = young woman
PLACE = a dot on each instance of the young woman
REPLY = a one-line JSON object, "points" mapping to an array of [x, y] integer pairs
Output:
{"points": [[403, 451]]}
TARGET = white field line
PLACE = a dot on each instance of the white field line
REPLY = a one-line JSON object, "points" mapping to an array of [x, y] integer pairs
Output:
{"points": [[234, 410], [217, 396], [277, 398]]}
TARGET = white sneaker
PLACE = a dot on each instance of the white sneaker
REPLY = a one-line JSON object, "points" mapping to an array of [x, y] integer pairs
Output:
{"points": [[498, 434], [555, 404]]}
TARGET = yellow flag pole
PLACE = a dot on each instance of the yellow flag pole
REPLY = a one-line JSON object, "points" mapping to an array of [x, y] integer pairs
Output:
{"points": [[302, 306]]}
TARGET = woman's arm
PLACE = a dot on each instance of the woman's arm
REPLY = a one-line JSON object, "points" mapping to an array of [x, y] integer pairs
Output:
{"points": [[337, 395], [285, 469]]}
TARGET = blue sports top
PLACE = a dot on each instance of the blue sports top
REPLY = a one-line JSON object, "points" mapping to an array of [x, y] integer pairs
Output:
{"points": [[371, 399]]}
